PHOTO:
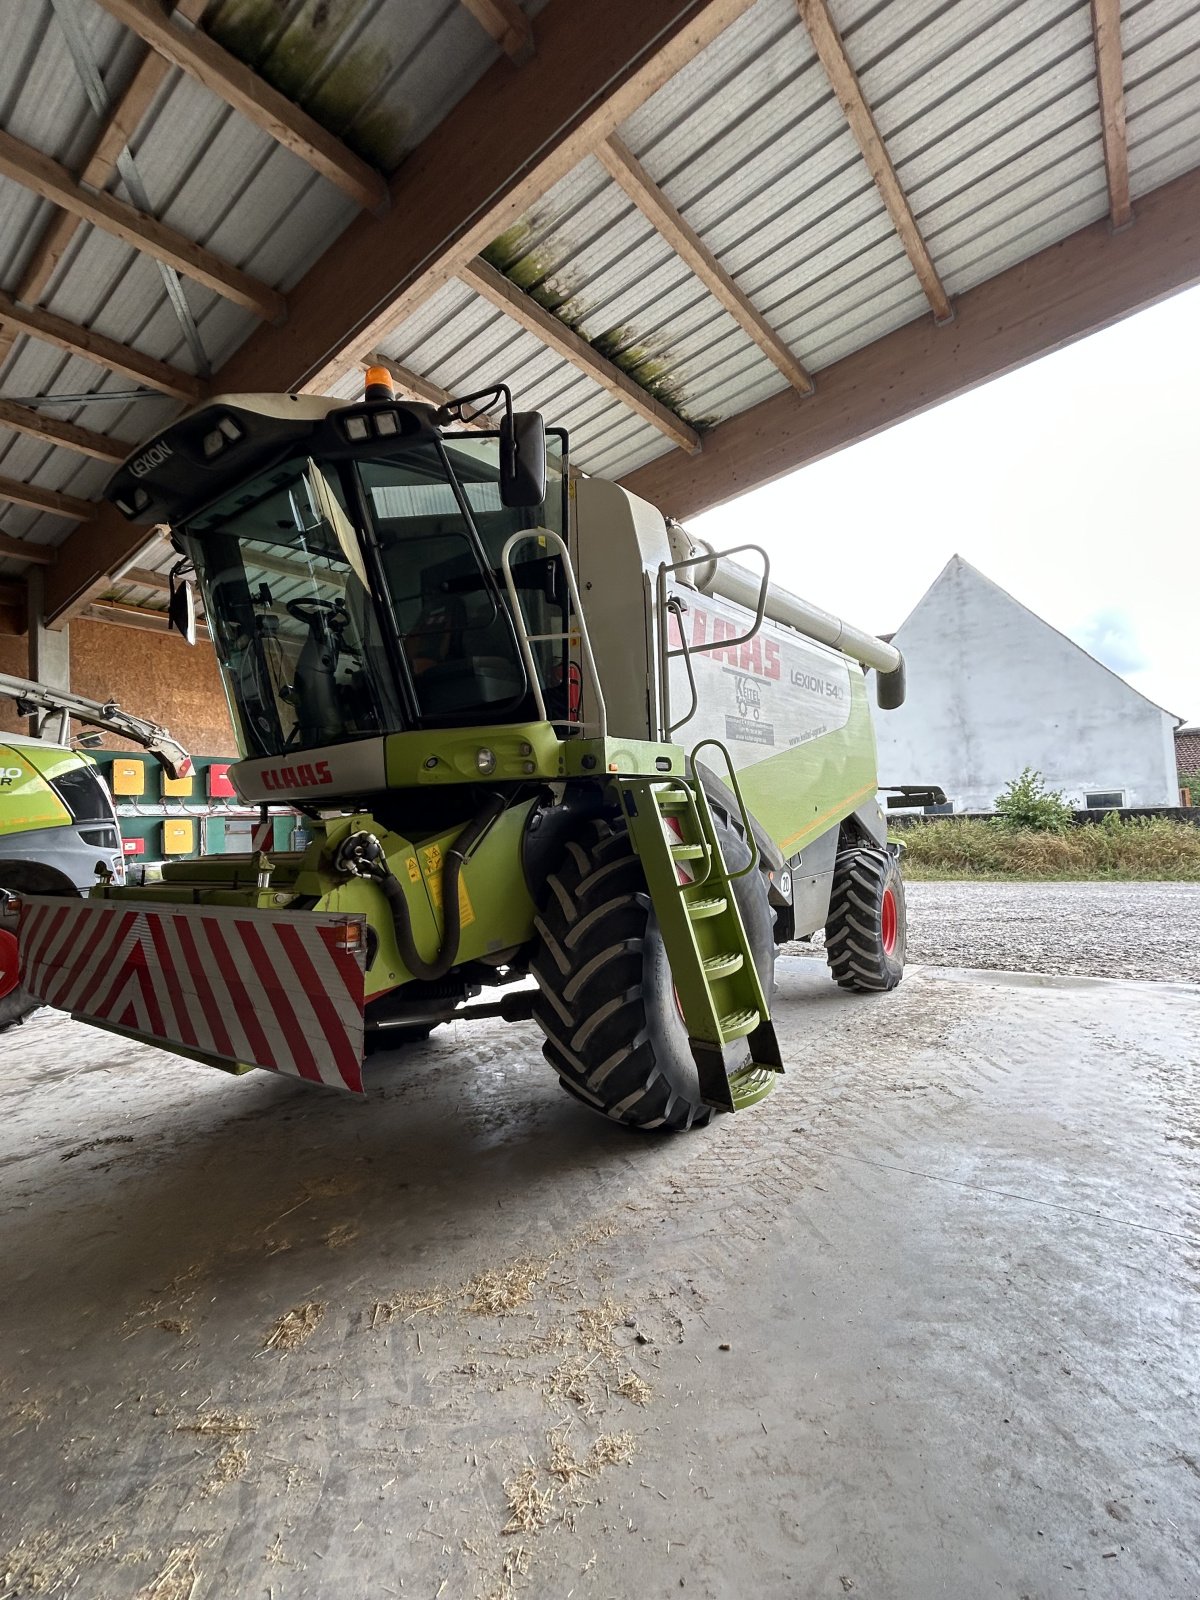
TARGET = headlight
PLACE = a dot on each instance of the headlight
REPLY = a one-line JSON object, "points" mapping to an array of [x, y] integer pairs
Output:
{"points": [[485, 760]]}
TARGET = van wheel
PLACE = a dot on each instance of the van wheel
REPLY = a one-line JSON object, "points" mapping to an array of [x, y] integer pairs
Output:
{"points": [[867, 932], [606, 1002]]}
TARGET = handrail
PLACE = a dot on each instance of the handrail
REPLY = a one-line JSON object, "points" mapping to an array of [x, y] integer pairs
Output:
{"points": [[666, 653], [570, 635], [747, 825]]}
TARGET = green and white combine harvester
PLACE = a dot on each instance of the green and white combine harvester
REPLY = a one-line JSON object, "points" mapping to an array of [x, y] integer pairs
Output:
{"points": [[539, 732]]}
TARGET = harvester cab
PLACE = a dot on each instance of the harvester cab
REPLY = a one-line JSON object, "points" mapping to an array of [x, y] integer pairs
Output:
{"points": [[468, 664]]}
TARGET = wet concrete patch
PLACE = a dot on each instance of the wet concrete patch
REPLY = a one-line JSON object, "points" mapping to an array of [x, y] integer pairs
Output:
{"points": [[923, 1322]]}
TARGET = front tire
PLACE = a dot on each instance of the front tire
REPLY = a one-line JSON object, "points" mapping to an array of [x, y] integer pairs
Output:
{"points": [[866, 933], [606, 1002]]}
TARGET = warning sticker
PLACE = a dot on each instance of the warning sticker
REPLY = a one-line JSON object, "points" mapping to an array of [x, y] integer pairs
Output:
{"points": [[466, 911], [414, 871]]}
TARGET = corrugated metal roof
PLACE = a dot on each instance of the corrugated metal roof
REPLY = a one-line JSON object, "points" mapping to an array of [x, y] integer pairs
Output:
{"points": [[989, 111], [380, 73]]}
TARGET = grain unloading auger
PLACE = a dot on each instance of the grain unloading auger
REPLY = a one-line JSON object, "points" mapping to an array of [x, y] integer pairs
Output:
{"points": [[472, 669]]}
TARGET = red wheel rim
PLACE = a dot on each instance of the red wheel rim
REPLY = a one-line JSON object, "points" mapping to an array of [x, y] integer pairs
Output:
{"points": [[887, 922], [10, 965]]}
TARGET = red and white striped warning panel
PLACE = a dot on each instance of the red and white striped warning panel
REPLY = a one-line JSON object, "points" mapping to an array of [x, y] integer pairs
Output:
{"points": [[282, 992]]}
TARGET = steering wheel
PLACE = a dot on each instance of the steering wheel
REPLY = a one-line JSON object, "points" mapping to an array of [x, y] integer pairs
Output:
{"points": [[307, 610]]}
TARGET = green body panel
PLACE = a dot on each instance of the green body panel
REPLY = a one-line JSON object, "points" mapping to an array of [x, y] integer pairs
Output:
{"points": [[495, 906], [526, 750], [26, 798], [801, 793]]}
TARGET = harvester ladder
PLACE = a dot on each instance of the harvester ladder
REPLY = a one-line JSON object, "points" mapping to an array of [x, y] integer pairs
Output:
{"points": [[691, 888]]}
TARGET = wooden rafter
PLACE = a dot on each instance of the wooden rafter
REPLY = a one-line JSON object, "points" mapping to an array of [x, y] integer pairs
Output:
{"points": [[626, 170], [827, 42], [1110, 78], [511, 138], [508, 26], [38, 555], [544, 325], [50, 430], [97, 347], [1086, 281], [202, 58], [123, 615], [49, 500], [34, 170], [116, 132]]}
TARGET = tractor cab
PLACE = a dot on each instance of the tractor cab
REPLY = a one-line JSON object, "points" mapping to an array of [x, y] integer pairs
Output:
{"points": [[359, 566]]}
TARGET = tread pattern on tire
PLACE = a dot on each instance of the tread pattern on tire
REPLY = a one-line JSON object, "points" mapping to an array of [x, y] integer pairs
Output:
{"points": [[853, 941], [593, 924]]}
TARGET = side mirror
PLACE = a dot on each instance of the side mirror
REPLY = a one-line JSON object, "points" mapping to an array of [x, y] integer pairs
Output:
{"points": [[522, 459], [181, 608]]}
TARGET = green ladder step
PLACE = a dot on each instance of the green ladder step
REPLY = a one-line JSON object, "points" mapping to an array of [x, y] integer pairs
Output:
{"points": [[737, 1024], [723, 966], [688, 852], [672, 800], [715, 906]]}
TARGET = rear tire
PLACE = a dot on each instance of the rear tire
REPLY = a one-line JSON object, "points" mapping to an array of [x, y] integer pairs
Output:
{"points": [[606, 1001], [866, 933]]}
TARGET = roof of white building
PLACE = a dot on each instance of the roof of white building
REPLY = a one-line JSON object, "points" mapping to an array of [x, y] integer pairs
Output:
{"points": [[958, 565]]}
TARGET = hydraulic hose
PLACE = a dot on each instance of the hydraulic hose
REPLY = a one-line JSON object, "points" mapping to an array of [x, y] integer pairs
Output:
{"points": [[362, 855]]}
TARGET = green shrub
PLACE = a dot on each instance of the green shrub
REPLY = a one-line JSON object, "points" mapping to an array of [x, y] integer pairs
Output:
{"points": [[1027, 803]]}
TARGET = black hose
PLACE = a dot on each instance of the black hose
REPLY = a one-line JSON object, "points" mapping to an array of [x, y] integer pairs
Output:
{"points": [[451, 916]]}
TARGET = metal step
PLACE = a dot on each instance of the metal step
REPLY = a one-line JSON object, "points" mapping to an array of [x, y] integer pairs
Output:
{"points": [[697, 910], [688, 852], [722, 966], [737, 1024]]}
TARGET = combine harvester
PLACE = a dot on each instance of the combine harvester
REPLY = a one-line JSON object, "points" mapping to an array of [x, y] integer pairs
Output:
{"points": [[470, 667]]}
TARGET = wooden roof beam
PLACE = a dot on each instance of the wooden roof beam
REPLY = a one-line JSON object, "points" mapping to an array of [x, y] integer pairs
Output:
{"points": [[113, 137], [36, 171], [222, 74], [827, 42], [511, 137], [508, 26], [123, 615], [1110, 79], [38, 555], [626, 170], [1087, 281], [51, 430], [48, 500], [97, 347], [564, 341]]}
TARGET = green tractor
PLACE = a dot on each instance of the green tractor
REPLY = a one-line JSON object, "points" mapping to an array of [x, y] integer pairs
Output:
{"points": [[539, 733]]}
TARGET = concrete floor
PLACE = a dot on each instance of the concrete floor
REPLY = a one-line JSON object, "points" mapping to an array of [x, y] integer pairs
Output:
{"points": [[924, 1323]]}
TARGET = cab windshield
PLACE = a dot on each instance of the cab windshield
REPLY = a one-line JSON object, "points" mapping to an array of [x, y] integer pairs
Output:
{"points": [[362, 595]]}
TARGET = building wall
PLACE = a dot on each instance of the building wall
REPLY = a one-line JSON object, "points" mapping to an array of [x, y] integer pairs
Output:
{"points": [[992, 689], [152, 675]]}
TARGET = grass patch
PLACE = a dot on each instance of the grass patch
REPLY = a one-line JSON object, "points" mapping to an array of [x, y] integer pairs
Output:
{"points": [[1138, 849]]}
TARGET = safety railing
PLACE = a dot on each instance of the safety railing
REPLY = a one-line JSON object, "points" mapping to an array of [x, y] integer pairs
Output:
{"points": [[574, 635], [673, 603]]}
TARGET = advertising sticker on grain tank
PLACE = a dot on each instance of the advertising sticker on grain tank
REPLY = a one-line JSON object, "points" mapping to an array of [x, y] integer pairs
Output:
{"points": [[761, 696]]}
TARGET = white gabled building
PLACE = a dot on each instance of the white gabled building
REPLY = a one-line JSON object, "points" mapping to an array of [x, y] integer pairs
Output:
{"points": [[992, 689]]}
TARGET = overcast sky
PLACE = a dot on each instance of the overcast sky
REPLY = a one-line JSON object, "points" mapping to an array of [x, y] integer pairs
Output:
{"points": [[1073, 483]]}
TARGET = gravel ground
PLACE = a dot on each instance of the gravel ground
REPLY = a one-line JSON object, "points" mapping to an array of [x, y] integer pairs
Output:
{"points": [[1102, 930]]}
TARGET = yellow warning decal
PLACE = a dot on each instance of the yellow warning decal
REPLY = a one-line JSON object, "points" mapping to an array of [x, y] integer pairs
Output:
{"points": [[433, 858], [466, 911], [414, 871]]}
